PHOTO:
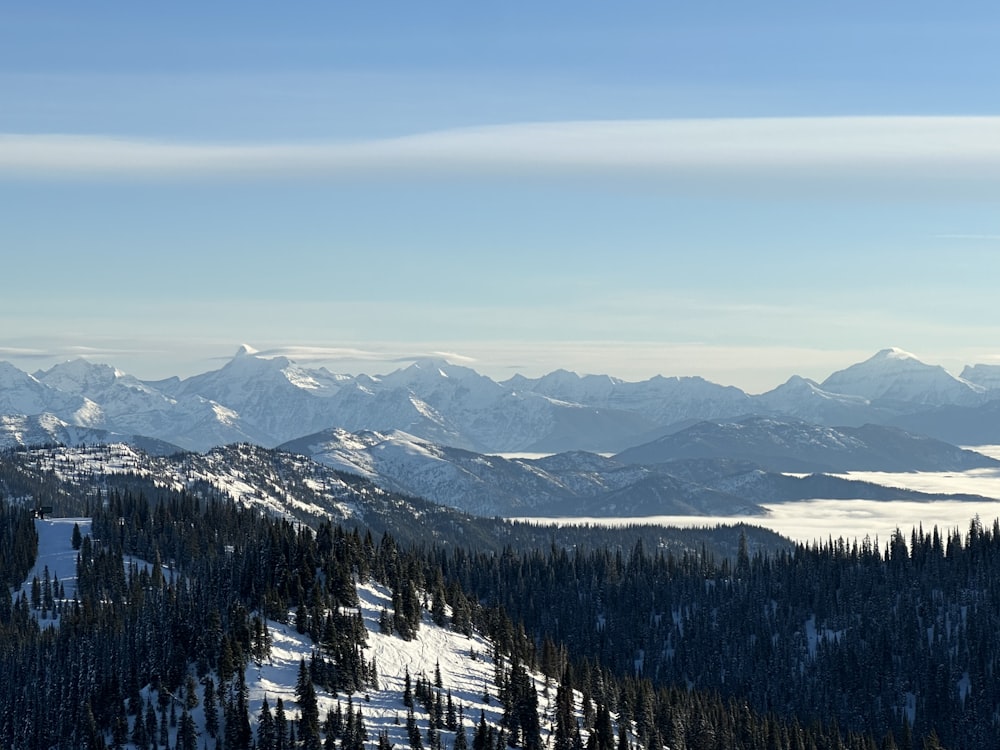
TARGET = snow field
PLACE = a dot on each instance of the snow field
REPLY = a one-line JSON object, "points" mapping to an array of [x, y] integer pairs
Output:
{"points": [[55, 552], [466, 666]]}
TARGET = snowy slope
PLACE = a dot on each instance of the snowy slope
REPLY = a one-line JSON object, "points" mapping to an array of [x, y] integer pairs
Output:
{"points": [[488, 485], [987, 376], [21, 393], [804, 399], [56, 560], [897, 377], [464, 662], [662, 400], [792, 445], [273, 397], [43, 429]]}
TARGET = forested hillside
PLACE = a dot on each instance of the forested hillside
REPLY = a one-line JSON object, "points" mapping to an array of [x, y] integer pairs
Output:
{"points": [[177, 592], [898, 640]]}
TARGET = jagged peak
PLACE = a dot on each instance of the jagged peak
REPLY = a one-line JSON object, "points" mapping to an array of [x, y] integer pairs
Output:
{"points": [[798, 382]]}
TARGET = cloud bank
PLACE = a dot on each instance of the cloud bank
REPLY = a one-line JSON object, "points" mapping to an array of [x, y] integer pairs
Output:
{"points": [[963, 145]]}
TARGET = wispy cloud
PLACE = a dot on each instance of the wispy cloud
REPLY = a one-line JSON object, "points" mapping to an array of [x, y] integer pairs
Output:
{"points": [[320, 353], [68, 352], [348, 354], [968, 145]]}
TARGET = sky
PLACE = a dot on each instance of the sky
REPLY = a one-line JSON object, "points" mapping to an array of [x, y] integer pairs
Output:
{"points": [[742, 191]]}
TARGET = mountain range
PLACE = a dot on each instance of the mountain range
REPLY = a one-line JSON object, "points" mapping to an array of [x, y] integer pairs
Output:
{"points": [[270, 401], [711, 468]]}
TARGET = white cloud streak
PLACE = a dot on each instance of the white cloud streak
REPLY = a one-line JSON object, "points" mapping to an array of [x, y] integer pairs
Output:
{"points": [[962, 146], [348, 354]]}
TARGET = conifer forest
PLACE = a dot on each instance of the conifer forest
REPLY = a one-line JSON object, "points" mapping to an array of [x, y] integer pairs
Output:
{"points": [[838, 644]]}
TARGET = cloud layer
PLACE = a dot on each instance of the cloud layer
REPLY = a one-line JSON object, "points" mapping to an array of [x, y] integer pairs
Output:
{"points": [[965, 146]]}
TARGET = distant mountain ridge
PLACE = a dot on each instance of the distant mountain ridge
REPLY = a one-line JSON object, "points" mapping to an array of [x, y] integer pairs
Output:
{"points": [[269, 401], [784, 445], [710, 469]]}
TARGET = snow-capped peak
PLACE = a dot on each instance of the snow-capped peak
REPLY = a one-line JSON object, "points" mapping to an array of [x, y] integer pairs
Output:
{"points": [[898, 376], [894, 352]]}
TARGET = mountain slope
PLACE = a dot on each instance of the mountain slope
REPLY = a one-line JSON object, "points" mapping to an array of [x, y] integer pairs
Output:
{"points": [[458, 662], [587, 484], [793, 446], [897, 378], [271, 400], [567, 484], [662, 400], [804, 399], [46, 429]]}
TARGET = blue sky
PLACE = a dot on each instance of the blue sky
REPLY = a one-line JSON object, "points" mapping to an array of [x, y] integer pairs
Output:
{"points": [[742, 191]]}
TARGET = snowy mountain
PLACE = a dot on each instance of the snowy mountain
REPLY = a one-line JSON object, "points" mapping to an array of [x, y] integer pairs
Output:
{"points": [[457, 406], [664, 401], [568, 484], [804, 399], [274, 399], [793, 446], [269, 401], [986, 376], [21, 393], [123, 404], [578, 483], [898, 378], [47, 429]]}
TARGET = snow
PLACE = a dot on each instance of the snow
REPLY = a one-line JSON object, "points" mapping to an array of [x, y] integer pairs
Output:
{"points": [[270, 400], [55, 552], [895, 375], [465, 662]]}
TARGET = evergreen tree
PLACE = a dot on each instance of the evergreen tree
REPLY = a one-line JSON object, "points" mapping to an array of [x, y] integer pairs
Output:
{"points": [[461, 740], [305, 694], [140, 738], [265, 727], [413, 731], [187, 736], [280, 726], [211, 709], [190, 692]]}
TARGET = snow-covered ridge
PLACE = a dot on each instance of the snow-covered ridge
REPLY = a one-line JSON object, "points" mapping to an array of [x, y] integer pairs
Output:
{"points": [[269, 401]]}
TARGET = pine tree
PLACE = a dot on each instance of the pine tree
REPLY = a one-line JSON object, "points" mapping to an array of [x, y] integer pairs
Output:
{"points": [[451, 719], [481, 737], [407, 688], [150, 722], [330, 730], [412, 731], [305, 694], [139, 736], [265, 727], [190, 692], [164, 731], [187, 737], [280, 726], [461, 740], [211, 709]]}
